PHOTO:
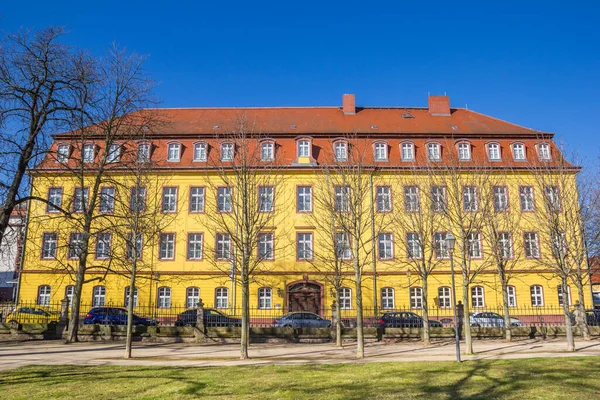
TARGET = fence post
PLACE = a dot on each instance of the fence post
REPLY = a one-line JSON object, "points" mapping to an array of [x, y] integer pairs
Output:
{"points": [[334, 320], [200, 328], [64, 310]]}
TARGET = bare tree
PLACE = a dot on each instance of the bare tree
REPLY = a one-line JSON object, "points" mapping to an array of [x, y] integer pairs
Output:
{"points": [[247, 179], [40, 80]]}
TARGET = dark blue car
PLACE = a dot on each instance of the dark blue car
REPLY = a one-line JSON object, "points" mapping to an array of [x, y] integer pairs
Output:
{"points": [[114, 316]]}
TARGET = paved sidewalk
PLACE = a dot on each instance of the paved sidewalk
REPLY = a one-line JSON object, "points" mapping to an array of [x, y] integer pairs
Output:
{"points": [[13, 355]]}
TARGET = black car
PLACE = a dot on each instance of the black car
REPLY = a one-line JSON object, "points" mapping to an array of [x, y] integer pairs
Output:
{"points": [[211, 318], [592, 317], [404, 319], [114, 316]]}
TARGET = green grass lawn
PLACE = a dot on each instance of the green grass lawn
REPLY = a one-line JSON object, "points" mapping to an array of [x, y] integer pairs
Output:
{"points": [[550, 378]]}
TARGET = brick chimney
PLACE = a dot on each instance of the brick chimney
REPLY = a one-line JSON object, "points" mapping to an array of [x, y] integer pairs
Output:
{"points": [[349, 104], [439, 105]]}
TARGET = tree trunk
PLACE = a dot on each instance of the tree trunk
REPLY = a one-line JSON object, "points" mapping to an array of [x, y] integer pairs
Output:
{"points": [[506, 311], [245, 336], [426, 338], [338, 327], [467, 317], [584, 325], [75, 309], [568, 324], [129, 338], [360, 340]]}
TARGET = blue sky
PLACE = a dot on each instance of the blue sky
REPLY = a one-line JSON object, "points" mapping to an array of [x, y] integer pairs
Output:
{"points": [[535, 63]]}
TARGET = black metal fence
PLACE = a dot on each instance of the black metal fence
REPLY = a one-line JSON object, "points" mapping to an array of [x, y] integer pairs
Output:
{"points": [[179, 315]]}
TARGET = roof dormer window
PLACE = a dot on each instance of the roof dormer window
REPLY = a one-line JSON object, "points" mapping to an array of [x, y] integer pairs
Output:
{"points": [[200, 152], [62, 153], [434, 151], [381, 151], [89, 153], [340, 150], [493, 150], [543, 150], [407, 151], [114, 153], [227, 152], [303, 148], [267, 151], [519, 152], [143, 152], [464, 151], [174, 152]]}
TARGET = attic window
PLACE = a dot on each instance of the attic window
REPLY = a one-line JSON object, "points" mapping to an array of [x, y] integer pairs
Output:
{"points": [[373, 126], [216, 127], [293, 126], [407, 114], [454, 127]]}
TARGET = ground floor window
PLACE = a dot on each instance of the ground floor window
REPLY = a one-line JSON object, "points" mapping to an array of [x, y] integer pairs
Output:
{"points": [[444, 297], [345, 299], [221, 298], [537, 296], [265, 298], [416, 297], [477, 299], [387, 298], [192, 297], [164, 297], [99, 296], [44, 295], [135, 297]]}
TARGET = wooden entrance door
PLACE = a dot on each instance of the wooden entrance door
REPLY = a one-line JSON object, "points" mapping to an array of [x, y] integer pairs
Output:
{"points": [[305, 297]]}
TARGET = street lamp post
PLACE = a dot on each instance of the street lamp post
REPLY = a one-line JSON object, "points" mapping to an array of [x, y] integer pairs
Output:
{"points": [[450, 242]]}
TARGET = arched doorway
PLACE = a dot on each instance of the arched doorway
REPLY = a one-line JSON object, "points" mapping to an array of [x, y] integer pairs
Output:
{"points": [[304, 296]]}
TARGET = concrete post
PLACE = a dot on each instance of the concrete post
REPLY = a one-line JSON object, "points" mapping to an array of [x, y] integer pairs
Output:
{"points": [[334, 320], [200, 317], [579, 316], [64, 310]]}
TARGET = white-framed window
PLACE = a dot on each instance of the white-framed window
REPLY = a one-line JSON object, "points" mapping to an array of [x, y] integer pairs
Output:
{"points": [[387, 298], [266, 246], [381, 151], [505, 245], [470, 198], [200, 153], [139, 240], [537, 296], [413, 245], [197, 194], [143, 152], [75, 245], [62, 154], [221, 297], [304, 148], [444, 297], [408, 151], [80, 199], [135, 297], [192, 297], [416, 297], [544, 152], [552, 197], [69, 292], [500, 198], [89, 153], [345, 298], [304, 198], [342, 246], [438, 198], [169, 199], [195, 245], [532, 246], [434, 152], [164, 297], [103, 241], [384, 198], [166, 246], [518, 152], [494, 152], [411, 198], [114, 153], [474, 243], [174, 152], [107, 200], [137, 199], [98, 296], [55, 196], [223, 250], [265, 298], [49, 245], [385, 246], [512, 296], [227, 152], [558, 244], [266, 195], [526, 197], [267, 151], [464, 151], [340, 151], [304, 246], [477, 296], [342, 198], [440, 245], [561, 297], [224, 203], [43, 298]]}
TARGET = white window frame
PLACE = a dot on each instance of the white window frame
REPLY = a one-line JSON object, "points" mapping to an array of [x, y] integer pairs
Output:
{"points": [[494, 152], [304, 198], [340, 151], [444, 297], [174, 152], [99, 296], [342, 198], [552, 197], [266, 198], [135, 297], [81, 193], [304, 148], [114, 153], [411, 198], [195, 245], [164, 297], [43, 297], [532, 244], [304, 246], [416, 297], [511, 292], [407, 151], [265, 298], [381, 151], [55, 196], [62, 153], [75, 242], [474, 243], [477, 297], [192, 297], [500, 198], [342, 246], [139, 240], [143, 152], [536, 293], [544, 152], [227, 151], [413, 246], [441, 245], [526, 198], [387, 298], [200, 152], [464, 152], [224, 199], [166, 246], [266, 246], [221, 297], [107, 200], [103, 245], [345, 298], [434, 152], [470, 201], [519, 152], [89, 153], [438, 198], [505, 245], [139, 198], [385, 246], [169, 199], [267, 151], [223, 246], [49, 245], [561, 297], [197, 199], [69, 292], [383, 198]]}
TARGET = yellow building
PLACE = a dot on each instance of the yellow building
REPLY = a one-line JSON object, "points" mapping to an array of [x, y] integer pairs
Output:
{"points": [[409, 152]]}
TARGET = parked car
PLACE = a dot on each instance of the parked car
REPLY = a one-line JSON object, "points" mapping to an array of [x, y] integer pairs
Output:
{"points": [[212, 317], [491, 319], [114, 316], [592, 317], [32, 315], [405, 319], [301, 320]]}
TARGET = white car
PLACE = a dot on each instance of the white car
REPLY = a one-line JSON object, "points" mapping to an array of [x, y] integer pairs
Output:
{"points": [[491, 319]]}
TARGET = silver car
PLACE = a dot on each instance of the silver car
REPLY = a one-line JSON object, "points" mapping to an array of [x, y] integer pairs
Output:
{"points": [[491, 319], [301, 320]]}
